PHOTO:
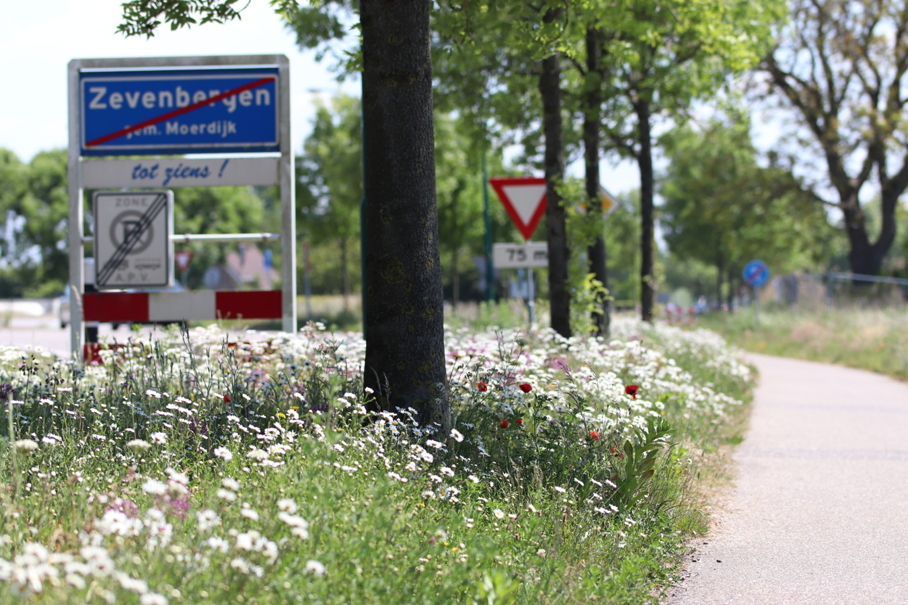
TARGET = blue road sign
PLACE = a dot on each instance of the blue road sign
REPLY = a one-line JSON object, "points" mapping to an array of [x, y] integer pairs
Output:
{"points": [[756, 273], [176, 111]]}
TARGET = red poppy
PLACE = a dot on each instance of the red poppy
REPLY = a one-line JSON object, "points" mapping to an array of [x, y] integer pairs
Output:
{"points": [[505, 424], [226, 398], [482, 386], [631, 390], [526, 387], [594, 435], [614, 449], [519, 421]]}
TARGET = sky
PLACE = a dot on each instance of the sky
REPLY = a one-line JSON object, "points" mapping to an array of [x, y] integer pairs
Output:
{"points": [[38, 38]]}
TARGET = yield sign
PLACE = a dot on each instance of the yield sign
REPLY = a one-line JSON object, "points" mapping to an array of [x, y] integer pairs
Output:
{"points": [[524, 198], [183, 257]]}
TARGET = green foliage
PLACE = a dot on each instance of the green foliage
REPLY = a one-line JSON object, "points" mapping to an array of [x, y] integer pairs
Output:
{"points": [[39, 213], [640, 457], [722, 208], [622, 238], [688, 278], [325, 28], [330, 177], [218, 210], [141, 17]]}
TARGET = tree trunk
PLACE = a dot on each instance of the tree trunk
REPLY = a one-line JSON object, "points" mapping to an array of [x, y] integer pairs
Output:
{"points": [[647, 213], [405, 360], [866, 257], [591, 139], [731, 290], [555, 216]]}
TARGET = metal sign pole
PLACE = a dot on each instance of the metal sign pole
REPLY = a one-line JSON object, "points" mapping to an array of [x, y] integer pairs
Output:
{"points": [[76, 209], [288, 210], [531, 297], [756, 307]]}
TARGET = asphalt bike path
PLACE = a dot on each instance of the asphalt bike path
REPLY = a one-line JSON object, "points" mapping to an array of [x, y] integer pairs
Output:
{"points": [[818, 512]]}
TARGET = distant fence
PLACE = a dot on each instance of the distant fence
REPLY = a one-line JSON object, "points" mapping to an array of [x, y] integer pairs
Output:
{"points": [[834, 290]]}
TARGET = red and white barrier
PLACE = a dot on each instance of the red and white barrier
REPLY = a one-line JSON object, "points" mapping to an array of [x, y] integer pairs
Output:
{"points": [[126, 307]]}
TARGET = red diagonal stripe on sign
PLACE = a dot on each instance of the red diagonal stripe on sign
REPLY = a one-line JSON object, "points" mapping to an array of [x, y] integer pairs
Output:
{"points": [[179, 112], [756, 275]]}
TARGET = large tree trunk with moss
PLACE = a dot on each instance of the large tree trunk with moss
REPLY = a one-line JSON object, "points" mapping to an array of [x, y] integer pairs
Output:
{"points": [[405, 361], [647, 212], [592, 117], [555, 216]]}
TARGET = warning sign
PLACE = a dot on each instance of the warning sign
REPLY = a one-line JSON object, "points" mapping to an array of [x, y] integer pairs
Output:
{"points": [[133, 244]]}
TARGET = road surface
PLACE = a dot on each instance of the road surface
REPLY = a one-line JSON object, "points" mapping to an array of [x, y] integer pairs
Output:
{"points": [[819, 510]]}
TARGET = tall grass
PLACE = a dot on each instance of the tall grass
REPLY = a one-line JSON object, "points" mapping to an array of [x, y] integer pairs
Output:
{"points": [[189, 470], [870, 339]]}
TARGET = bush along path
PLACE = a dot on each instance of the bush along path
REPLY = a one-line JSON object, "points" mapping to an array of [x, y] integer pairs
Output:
{"points": [[818, 511], [192, 470]]}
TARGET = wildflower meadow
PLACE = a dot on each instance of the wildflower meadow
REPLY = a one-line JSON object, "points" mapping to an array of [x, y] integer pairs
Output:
{"points": [[193, 469]]}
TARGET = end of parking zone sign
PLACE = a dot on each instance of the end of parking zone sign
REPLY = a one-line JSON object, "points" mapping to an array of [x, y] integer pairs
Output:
{"points": [[133, 243], [756, 273]]}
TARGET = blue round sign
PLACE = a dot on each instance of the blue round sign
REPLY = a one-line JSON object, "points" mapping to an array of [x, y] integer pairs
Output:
{"points": [[756, 273]]}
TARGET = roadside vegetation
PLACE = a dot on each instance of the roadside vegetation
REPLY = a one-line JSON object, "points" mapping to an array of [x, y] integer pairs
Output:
{"points": [[193, 470], [869, 339]]}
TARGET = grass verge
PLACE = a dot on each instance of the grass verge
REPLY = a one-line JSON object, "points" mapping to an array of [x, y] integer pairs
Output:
{"points": [[196, 472], [869, 339]]}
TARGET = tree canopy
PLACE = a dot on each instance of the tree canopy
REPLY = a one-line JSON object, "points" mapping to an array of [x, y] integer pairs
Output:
{"points": [[722, 208], [840, 66]]}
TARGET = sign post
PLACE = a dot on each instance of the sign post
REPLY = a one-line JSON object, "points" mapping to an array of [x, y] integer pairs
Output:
{"points": [[172, 106], [524, 198], [756, 274]]}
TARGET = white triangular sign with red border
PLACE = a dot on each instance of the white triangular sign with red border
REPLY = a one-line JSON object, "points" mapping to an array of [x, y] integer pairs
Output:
{"points": [[524, 198], [183, 257]]}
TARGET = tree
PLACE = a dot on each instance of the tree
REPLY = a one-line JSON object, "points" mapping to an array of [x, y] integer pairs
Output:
{"points": [[841, 67], [459, 192], [404, 322], [592, 144], [491, 54], [722, 208], [403, 325], [39, 215], [329, 181], [663, 56], [12, 174]]}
